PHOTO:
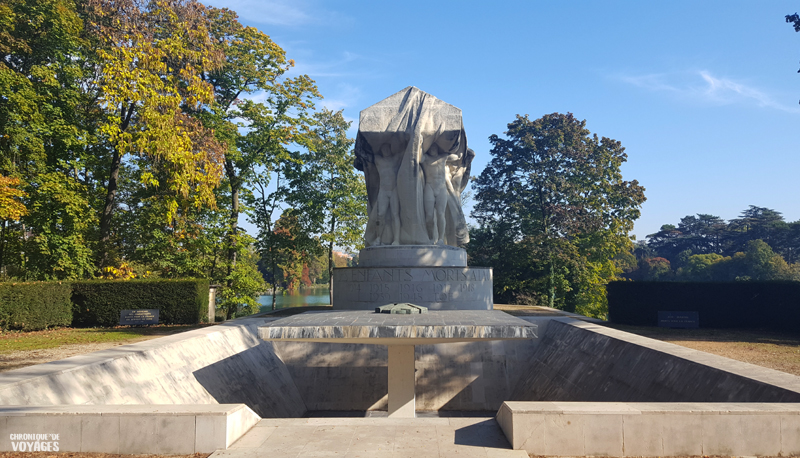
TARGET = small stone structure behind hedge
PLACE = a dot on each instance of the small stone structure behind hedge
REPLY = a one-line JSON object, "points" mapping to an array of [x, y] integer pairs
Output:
{"points": [[98, 302], [747, 304], [35, 305]]}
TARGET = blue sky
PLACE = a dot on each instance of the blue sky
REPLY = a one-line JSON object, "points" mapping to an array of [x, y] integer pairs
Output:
{"points": [[703, 95]]}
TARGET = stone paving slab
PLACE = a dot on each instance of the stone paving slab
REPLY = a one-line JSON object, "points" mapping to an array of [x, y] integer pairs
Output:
{"points": [[374, 437], [359, 326]]}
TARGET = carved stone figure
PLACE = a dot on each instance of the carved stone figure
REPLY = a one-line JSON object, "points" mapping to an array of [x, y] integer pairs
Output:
{"points": [[413, 151], [437, 186], [387, 165]]}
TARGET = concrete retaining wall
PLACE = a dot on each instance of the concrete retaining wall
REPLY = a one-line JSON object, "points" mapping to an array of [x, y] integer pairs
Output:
{"points": [[226, 363], [458, 376], [571, 361], [579, 361], [652, 429], [152, 429]]}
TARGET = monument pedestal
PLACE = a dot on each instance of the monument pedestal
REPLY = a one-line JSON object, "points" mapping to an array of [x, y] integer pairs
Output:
{"points": [[434, 276]]}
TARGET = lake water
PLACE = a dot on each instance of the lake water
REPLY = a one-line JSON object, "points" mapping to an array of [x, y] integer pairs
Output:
{"points": [[315, 295]]}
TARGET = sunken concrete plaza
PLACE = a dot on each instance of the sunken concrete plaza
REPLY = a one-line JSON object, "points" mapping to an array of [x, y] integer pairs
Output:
{"points": [[460, 379], [400, 333], [578, 387]]}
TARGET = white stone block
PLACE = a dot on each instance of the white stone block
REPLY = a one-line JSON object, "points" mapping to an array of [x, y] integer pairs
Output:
{"points": [[602, 435], [682, 434], [761, 435], [531, 434], [505, 419], [68, 428], [100, 433], [790, 435], [642, 436], [175, 434], [210, 433], [563, 435], [722, 435], [239, 423], [138, 434]]}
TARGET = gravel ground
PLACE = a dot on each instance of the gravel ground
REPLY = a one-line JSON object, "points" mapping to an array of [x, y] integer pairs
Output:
{"points": [[772, 349]]}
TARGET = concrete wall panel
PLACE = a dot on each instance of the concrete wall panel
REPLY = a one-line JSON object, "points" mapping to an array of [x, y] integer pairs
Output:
{"points": [[580, 361], [458, 376], [649, 429], [226, 363]]}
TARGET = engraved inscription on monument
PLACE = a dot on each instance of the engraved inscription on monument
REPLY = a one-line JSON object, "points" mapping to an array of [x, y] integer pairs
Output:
{"points": [[442, 287]]}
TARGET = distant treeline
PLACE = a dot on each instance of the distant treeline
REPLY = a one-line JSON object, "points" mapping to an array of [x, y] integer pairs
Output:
{"points": [[759, 245]]}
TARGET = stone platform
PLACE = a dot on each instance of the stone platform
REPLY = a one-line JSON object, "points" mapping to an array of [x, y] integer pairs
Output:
{"points": [[356, 326]]}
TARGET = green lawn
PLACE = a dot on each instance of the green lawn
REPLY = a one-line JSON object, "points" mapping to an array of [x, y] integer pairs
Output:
{"points": [[39, 340]]}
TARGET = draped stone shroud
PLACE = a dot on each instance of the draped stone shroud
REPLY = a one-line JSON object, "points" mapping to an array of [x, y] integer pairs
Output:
{"points": [[411, 121]]}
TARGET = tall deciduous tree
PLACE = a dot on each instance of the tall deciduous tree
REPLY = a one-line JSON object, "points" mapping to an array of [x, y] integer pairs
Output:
{"points": [[151, 57], [328, 190], [258, 112], [553, 186], [43, 139]]}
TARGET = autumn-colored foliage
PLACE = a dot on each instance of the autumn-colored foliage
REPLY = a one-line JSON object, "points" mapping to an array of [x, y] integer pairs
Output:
{"points": [[128, 134], [11, 206]]}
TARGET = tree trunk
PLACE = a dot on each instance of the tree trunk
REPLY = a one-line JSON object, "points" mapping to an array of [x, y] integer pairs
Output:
{"points": [[330, 262], [552, 291], [233, 225], [274, 279], [3, 250], [108, 209], [126, 114]]}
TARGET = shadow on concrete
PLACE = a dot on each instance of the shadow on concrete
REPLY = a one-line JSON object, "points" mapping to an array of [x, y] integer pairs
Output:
{"points": [[484, 434], [337, 377], [255, 377], [385, 414], [587, 363]]}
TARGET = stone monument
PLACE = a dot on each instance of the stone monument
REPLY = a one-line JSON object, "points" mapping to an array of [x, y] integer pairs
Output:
{"points": [[413, 151]]}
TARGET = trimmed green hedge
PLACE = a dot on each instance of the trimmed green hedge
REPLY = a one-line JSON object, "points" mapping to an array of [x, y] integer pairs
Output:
{"points": [[34, 306], [98, 302], [747, 304]]}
